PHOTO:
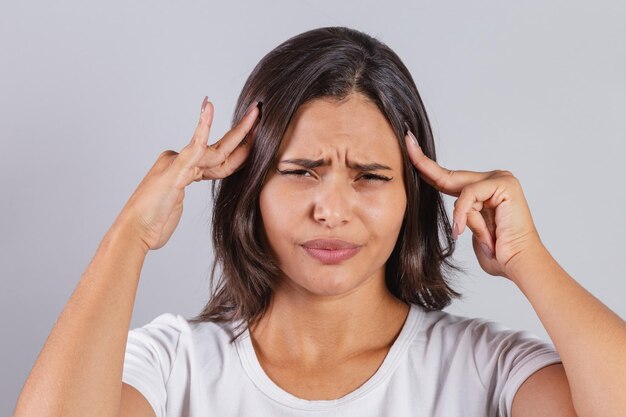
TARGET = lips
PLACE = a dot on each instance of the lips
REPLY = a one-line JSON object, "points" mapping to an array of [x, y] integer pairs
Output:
{"points": [[330, 251], [329, 244]]}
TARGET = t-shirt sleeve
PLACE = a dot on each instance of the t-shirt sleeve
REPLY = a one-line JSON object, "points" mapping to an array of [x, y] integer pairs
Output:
{"points": [[505, 358], [150, 354]]}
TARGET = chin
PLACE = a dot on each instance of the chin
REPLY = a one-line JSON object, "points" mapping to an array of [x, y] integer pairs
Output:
{"points": [[330, 284]]}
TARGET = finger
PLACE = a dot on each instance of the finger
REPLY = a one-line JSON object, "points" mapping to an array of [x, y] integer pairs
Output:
{"points": [[477, 206], [219, 151], [479, 247], [183, 168], [233, 163], [442, 179], [489, 214], [476, 223], [194, 158], [203, 130], [490, 192], [193, 151]]}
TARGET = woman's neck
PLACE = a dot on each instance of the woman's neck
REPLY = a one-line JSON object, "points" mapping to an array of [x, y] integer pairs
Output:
{"points": [[307, 329]]}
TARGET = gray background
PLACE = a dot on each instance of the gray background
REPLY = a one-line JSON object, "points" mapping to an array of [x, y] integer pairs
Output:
{"points": [[91, 93]]}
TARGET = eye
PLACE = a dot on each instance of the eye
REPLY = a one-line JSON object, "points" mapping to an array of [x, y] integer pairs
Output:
{"points": [[297, 172], [375, 178]]}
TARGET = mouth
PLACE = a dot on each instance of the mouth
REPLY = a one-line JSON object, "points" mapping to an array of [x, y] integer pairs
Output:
{"points": [[330, 251]]}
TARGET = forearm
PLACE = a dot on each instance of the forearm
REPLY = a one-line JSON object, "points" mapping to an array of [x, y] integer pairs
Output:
{"points": [[589, 337], [79, 369]]}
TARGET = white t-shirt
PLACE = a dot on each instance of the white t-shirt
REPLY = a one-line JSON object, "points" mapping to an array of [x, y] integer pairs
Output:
{"points": [[440, 365]]}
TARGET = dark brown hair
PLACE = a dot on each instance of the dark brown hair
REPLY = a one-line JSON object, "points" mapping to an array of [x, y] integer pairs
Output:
{"points": [[329, 62]]}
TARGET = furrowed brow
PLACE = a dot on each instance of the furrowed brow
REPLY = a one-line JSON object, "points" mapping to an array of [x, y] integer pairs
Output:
{"points": [[310, 164], [306, 163]]}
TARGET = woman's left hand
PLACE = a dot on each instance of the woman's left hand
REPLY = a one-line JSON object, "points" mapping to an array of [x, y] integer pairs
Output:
{"points": [[493, 207]]}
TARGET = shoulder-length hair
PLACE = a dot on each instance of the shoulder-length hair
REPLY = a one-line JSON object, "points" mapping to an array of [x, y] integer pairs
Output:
{"points": [[329, 62]]}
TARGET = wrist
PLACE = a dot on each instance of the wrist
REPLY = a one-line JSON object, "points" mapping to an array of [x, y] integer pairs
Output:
{"points": [[526, 261], [123, 232]]}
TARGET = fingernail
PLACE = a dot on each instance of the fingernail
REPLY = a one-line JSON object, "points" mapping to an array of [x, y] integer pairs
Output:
{"points": [[250, 107], [204, 103], [455, 230], [486, 250], [414, 138]]}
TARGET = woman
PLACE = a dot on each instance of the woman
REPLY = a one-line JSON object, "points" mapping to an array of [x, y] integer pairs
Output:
{"points": [[326, 228]]}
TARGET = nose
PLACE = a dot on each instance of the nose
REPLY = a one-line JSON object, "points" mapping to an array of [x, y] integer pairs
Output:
{"points": [[332, 202]]}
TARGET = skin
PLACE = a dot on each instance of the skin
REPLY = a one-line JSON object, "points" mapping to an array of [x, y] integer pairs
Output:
{"points": [[320, 315]]}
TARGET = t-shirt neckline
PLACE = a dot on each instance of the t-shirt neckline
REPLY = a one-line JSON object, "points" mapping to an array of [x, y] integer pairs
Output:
{"points": [[255, 371]]}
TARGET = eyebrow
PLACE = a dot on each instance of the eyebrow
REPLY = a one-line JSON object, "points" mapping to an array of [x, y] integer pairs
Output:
{"points": [[310, 164]]}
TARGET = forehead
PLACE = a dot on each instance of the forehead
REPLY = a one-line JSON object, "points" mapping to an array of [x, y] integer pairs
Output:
{"points": [[354, 128]]}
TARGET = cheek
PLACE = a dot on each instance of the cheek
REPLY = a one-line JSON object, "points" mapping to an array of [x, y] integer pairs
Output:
{"points": [[277, 210], [386, 212]]}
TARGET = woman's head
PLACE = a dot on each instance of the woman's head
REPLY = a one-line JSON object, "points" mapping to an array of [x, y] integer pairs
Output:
{"points": [[339, 95], [338, 175]]}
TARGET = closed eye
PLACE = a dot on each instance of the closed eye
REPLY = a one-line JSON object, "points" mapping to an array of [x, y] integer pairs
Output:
{"points": [[367, 177]]}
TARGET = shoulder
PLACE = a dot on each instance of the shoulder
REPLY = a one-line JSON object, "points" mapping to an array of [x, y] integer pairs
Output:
{"points": [[490, 356], [161, 357], [444, 326], [171, 323], [171, 344], [486, 342], [174, 333]]}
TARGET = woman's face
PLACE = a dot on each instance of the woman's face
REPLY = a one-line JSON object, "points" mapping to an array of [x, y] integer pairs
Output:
{"points": [[363, 206]]}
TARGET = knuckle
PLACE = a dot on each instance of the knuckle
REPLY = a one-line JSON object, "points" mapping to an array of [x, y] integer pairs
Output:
{"points": [[228, 168], [456, 215], [221, 155], [442, 182], [167, 154], [508, 176], [457, 209], [477, 206], [467, 190], [241, 130], [164, 159], [197, 174], [245, 125]]}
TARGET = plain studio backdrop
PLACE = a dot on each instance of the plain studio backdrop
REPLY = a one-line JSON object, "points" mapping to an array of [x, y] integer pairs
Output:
{"points": [[91, 93]]}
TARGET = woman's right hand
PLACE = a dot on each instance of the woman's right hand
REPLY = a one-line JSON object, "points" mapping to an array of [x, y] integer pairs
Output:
{"points": [[154, 209]]}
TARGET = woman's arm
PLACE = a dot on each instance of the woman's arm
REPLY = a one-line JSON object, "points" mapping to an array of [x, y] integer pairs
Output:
{"points": [[79, 370], [590, 338]]}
